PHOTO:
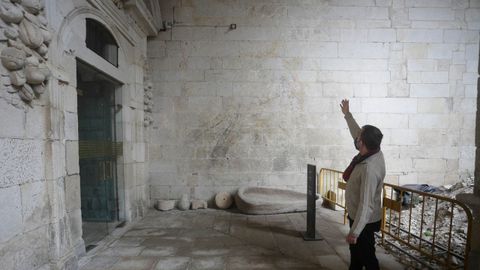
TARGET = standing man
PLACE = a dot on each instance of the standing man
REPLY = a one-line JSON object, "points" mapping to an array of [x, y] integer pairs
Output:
{"points": [[364, 177]]}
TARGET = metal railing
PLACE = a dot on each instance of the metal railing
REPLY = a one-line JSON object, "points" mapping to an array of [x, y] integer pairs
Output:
{"points": [[431, 236], [331, 187]]}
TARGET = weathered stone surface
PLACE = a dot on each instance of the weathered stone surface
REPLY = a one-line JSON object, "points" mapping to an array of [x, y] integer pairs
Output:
{"points": [[26, 93], [11, 212], [22, 161], [72, 192], [165, 205], [17, 78], [13, 58], [10, 13], [199, 204], [14, 124], [184, 202], [260, 200], [223, 200], [35, 205], [30, 34], [26, 251], [71, 154], [267, 100]]}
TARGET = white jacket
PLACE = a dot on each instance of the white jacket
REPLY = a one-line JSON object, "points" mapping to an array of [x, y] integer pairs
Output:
{"points": [[363, 195]]}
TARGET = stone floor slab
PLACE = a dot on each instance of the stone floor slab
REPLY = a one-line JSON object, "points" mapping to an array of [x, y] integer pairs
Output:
{"points": [[227, 240]]}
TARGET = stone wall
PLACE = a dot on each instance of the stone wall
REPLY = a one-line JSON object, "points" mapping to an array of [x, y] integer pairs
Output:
{"points": [[255, 104], [40, 203]]}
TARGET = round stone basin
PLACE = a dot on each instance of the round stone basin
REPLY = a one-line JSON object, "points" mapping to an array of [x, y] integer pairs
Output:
{"points": [[264, 201]]}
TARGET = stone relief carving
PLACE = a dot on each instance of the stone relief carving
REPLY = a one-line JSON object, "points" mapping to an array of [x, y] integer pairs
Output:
{"points": [[119, 3], [26, 38], [148, 104], [147, 94]]}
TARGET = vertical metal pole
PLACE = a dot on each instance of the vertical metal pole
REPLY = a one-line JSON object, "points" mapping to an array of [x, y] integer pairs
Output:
{"points": [[311, 234]]}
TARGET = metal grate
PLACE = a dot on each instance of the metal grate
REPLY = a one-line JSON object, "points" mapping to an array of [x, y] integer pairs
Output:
{"points": [[99, 149]]}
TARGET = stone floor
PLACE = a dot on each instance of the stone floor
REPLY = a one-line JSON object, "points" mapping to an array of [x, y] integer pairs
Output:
{"points": [[215, 239]]}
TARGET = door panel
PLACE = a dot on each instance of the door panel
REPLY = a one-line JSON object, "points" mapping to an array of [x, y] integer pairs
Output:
{"points": [[97, 153]]}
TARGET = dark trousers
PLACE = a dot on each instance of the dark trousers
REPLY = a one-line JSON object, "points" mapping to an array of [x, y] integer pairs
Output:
{"points": [[363, 252]]}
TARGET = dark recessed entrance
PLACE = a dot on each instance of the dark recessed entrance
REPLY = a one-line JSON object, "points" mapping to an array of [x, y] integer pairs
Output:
{"points": [[98, 153]]}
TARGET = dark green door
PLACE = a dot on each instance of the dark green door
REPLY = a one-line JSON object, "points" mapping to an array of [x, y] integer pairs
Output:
{"points": [[97, 152]]}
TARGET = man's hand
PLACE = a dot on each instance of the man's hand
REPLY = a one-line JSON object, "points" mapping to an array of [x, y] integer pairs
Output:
{"points": [[345, 106], [352, 240]]}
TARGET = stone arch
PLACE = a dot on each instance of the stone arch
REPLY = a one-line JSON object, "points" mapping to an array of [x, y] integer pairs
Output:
{"points": [[70, 43]]}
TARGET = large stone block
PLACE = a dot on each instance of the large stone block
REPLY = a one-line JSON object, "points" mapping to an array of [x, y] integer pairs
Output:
{"points": [[404, 137], [72, 157], [360, 13], [427, 77], [159, 191], [72, 193], [430, 165], [382, 35], [139, 152], [441, 51], [470, 78], [354, 35], [319, 105], [403, 165], [388, 120], [249, 33], [461, 36], [431, 14], [204, 103], [59, 239], [55, 159], [429, 90], [166, 178], [421, 64], [156, 48], [36, 122], [417, 35], [466, 165], [323, 136], [35, 205], [389, 105], [363, 50], [354, 77], [428, 3], [473, 14], [311, 49], [355, 63], [13, 125], [71, 126], [11, 212], [26, 251], [22, 161], [416, 50], [69, 98], [434, 105], [179, 75], [428, 121], [431, 137], [338, 90], [467, 152]]}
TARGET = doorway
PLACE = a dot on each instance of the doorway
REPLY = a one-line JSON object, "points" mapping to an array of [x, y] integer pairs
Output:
{"points": [[99, 150]]}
